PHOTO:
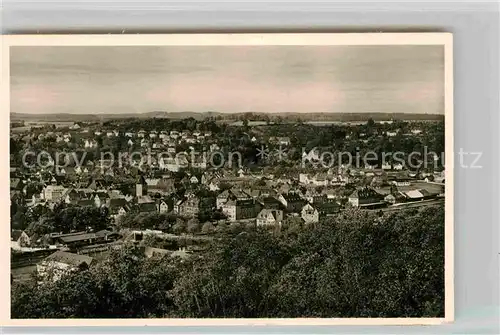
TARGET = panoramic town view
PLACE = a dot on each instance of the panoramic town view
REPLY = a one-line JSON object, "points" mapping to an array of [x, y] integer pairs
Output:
{"points": [[255, 214]]}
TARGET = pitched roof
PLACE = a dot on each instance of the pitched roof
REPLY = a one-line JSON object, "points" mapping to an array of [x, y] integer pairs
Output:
{"points": [[102, 195], [239, 194], [223, 195], [117, 202], [144, 199], [414, 194], [266, 212], [147, 207], [270, 201], [328, 207], [69, 258]]}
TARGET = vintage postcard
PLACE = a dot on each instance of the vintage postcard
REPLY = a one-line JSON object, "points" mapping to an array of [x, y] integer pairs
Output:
{"points": [[228, 179]]}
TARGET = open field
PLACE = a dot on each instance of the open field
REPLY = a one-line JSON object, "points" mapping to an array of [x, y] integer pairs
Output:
{"points": [[418, 204], [429, 187]]}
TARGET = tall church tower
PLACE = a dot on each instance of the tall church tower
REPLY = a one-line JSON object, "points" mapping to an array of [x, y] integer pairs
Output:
{"points": [[140, 186]]}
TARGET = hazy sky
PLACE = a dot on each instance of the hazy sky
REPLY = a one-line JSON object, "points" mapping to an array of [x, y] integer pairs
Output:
{"points": [[407, 79]]}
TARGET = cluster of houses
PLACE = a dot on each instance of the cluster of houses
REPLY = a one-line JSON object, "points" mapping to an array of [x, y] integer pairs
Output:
{"points": [[87, 138], [239, 195], [244, 199]]}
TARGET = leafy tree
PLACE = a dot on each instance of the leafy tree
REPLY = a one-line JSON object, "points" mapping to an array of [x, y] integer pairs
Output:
{"points": [[193, 226], [207, 227], [354, 264]]}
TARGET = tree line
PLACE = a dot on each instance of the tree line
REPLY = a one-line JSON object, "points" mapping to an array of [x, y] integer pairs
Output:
{"points": [[356, 264]]}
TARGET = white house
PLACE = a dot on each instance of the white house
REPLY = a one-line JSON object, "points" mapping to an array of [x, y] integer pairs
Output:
{"points": [[19, 239], [268, 217], [52, 192], [163, 207], [309, 214], [90, 144]]}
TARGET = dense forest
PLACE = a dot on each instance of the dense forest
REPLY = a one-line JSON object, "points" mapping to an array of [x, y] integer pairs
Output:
{"points": [[356, 264]]}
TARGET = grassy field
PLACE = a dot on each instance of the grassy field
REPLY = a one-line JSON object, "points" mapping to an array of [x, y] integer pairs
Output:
{"points": [[431, 188]]}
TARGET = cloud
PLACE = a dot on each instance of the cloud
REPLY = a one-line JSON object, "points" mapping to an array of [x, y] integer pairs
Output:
{"points": [[227, 79]]}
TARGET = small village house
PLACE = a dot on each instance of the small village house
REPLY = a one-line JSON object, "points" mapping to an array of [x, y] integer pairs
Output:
{"points": [[269, 217], [309, 214]]}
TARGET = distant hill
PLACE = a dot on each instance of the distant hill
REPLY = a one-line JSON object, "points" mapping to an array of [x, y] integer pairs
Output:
{"points": [[227, 116]]}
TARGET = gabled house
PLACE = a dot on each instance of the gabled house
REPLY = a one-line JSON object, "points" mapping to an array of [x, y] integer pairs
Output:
{"points": [[309, 214], [100, 198], [293, 202], [232, 194], [53, 193], [115, 204], [73, 196], [327, 208], [268, 217], [191, 206], [89, 144], [162, 206], [19, 239]]}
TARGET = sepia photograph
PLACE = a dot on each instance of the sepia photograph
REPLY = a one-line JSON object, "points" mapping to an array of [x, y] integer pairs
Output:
{"points": [[230, 177]]}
